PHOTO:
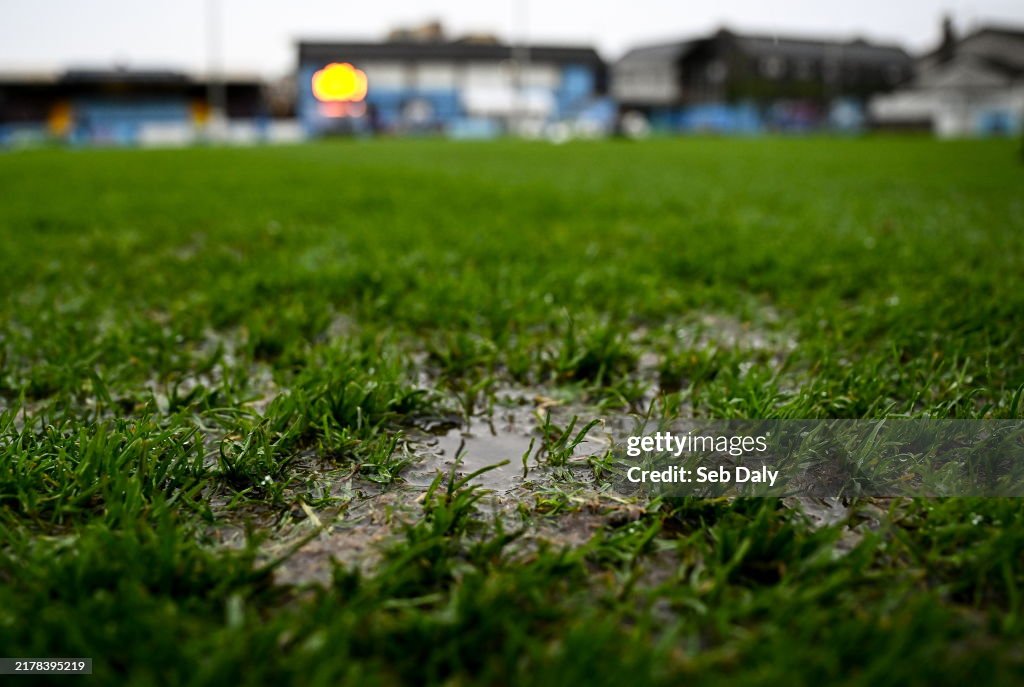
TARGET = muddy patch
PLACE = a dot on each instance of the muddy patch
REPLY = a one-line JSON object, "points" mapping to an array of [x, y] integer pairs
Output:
{"points": [[352, 537], [857, 517], [515, 442], [372, 516], [728, 331]]}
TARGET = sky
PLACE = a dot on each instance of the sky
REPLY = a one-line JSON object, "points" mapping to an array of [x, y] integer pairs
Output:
{"points": [[257, 36]]}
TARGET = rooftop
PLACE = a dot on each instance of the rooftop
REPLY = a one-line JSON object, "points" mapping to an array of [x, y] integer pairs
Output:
{"points": [[455, 50], [857, 49]]}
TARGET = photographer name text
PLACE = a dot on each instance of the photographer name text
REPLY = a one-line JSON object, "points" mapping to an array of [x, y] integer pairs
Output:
{"points": [[720, 474]]}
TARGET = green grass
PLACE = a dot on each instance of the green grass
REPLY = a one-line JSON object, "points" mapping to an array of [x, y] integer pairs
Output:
{"points": [[201, 341]]}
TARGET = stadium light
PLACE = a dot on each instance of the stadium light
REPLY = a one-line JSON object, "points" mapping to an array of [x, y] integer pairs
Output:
{"points": [[339, 82]]}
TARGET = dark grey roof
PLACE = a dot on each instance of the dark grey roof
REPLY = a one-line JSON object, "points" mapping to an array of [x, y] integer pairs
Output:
{"points": [[1000, 46], [1003, 67], [314, 51], [664, 52], [761, 45], [801, 48], [1001, 30], [1011, 35], [162, 76]]}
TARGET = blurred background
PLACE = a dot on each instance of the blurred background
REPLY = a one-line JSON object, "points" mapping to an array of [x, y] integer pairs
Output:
{"points": [[114, 72]]}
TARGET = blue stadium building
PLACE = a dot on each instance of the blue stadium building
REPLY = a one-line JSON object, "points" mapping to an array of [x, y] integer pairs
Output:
{"points": [[472, 87], [118, 106]]}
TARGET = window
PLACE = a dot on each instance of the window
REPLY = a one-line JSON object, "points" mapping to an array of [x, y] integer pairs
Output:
{"points": [[772, 66], [490, 75], [435, 75], [716, 71], [384, 75]]}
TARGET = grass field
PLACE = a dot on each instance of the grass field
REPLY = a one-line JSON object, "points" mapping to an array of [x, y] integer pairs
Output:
{"points": [[226, 376]]}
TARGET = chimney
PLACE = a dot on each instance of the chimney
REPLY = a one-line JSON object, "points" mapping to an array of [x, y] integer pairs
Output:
{"points": [[947, 48]]}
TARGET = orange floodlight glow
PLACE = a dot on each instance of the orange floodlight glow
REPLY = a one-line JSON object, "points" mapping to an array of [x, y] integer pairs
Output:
{"points": [[336, 110], [339, 82]]}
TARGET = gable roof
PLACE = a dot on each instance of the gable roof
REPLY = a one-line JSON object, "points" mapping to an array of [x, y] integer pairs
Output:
{"points": [[1016, 32], [660, 53], [999, 48], [857, 50], [998, 45], [760, 45]]}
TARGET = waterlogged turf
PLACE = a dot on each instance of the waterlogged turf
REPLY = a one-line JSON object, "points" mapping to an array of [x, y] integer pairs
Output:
{"points": [[243, 393]]}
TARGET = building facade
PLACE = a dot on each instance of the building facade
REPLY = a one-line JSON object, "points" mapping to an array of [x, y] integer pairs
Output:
{"points": [[732, 82], [972, 86], [469, 87], [119, 106]]}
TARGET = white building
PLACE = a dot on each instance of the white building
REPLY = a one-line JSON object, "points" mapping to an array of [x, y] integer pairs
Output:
{"points": [[968, 87]]}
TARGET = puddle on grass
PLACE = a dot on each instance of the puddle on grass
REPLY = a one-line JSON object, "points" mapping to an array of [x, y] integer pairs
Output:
{"points": [[726, 330], [354, 534], [352, 537], [822, 512], [511, 434], [373, 515], [857, 517]]}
